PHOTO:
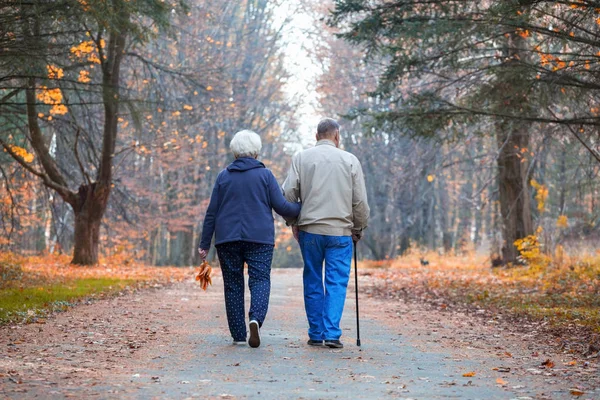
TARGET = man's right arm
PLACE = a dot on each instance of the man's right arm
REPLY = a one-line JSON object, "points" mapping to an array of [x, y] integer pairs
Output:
{"points": [[291, 186], [360, 205]]}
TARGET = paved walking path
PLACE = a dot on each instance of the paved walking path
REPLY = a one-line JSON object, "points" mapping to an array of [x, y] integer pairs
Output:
{"points": [[173, 343]]}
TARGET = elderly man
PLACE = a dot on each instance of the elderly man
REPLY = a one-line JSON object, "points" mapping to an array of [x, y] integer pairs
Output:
{"points": [[330, 184]]}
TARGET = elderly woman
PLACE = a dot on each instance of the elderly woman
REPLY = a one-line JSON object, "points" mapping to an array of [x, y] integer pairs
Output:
{"points": [[240, 214]]}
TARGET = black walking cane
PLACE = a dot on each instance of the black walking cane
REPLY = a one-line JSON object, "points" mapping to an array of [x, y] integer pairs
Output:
{"points": [[356, 291]]}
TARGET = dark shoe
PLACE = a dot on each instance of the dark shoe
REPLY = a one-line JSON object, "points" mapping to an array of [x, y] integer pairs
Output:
{"points": [[334, 344], [254, 340], [316, 343]]}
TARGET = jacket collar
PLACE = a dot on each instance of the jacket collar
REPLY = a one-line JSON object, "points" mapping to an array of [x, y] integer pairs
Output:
{"points": [[325, 142]]}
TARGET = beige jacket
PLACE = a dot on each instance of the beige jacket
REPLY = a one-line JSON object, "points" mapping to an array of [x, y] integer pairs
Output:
{"points": [[331, 186]]}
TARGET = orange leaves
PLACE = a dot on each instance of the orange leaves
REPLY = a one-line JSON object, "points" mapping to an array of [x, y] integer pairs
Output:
{"points": [[501, 381], [50, 96], [204, 275], [524, 33], [548, 363], [87, 50], [21, 152], [55, 72], [549, 60], [430, 178], [59, 109], [84, 77], [84, 5], [54, 98], [468, 374]]}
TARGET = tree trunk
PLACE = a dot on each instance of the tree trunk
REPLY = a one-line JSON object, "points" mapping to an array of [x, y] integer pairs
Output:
{"points": [[87, 234], [513, 145], [513, 191], [88, 215]]}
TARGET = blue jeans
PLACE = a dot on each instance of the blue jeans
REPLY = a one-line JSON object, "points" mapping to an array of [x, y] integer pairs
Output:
{"points": [[232, 257], [324, 299]]}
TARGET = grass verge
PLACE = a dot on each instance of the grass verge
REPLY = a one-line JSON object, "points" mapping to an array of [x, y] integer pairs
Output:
{"points": [[31, 303], [31, 288]]}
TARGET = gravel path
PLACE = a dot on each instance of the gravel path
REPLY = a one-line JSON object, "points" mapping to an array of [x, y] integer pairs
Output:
{"points": [[173, 343]]}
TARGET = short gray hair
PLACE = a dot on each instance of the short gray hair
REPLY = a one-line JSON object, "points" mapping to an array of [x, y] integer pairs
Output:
{"points": [[327, 127], [245, 144]]}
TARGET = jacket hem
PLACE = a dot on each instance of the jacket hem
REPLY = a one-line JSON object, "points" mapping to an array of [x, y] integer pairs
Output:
{"points": [[272, 243], [325, 230]]}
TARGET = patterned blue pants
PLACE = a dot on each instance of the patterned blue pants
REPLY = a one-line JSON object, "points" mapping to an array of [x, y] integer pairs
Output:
{"points": [[232, 257]]}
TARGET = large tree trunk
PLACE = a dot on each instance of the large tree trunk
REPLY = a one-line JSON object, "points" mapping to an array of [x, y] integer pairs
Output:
{"points": [[513, 145], [88, 215], [513, 191]]}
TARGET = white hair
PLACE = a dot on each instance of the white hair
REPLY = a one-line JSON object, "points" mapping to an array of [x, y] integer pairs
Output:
{"points": [[245, 144]]}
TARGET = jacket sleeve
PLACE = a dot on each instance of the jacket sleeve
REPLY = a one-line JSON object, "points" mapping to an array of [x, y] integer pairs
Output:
{"points": [[278, 203], [360, 205], [291, 186], [208, 228]]}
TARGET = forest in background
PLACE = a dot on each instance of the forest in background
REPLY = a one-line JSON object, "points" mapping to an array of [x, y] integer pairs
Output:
{"points": [[476, 122]]}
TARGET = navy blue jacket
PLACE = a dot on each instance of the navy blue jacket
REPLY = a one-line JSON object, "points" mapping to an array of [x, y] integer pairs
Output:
{"points": [[241, 203]]}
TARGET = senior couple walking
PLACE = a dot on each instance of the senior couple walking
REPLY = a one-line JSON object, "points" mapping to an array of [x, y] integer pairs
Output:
{"points": [[323, 199]]}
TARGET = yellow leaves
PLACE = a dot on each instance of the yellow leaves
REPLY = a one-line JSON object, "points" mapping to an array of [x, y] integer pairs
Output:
{"points": [[469, 374], [204, 144], [209, 88], [21, 152], [84, 77], [176, 113], [430, 178], [541, 195], [528, 247], [562, 221], [55, 72], [188, 107]]}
